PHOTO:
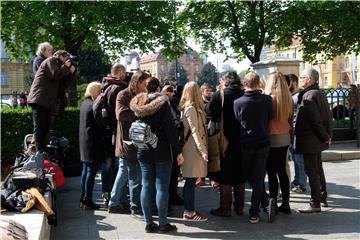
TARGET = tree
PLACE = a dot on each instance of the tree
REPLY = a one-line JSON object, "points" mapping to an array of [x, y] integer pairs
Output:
{"points": [[245, 27], [114, 26], [328, 28], [209, 74], [242, 26], [182, 78], [92, 66]]}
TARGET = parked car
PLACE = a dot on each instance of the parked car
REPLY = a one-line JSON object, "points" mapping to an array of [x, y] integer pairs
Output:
{"points": [[339, 102]]}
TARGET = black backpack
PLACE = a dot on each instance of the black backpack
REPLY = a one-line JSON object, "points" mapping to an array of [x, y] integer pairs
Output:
{"points": [[182, 137], [101, 109]]}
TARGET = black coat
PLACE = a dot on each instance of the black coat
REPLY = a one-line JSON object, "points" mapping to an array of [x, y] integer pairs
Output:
{"points": [[230, 165], [313, 121], [89, 135], [156, 113]]}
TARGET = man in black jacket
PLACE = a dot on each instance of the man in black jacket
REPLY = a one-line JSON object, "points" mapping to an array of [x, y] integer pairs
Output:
{"points": [[111, 85], [254, 112], [313, 135]]}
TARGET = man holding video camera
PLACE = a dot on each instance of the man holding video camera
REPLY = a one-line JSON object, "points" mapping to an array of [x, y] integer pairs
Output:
{"points": [[47, 91]]}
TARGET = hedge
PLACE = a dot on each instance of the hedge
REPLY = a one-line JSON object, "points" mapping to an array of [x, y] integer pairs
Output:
{"points": [[17, 123]]}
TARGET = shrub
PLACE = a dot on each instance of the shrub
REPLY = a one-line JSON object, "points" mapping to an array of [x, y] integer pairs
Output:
{"points": [[17, 123]]}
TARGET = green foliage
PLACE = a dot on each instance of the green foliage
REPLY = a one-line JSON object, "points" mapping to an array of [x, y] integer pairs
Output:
{"points": [[80, 92], [243, 73], [17, 123], [329, 28], [92, 66], [114, 26], [182, 78], [245, 27], [209, 75], [242, 26]]}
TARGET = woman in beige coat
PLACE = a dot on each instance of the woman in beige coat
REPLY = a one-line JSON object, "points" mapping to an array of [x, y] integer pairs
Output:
{"points": [[195, 149]]}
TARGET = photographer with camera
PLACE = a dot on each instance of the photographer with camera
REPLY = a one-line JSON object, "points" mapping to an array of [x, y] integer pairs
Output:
{"points": [[47, 89]]}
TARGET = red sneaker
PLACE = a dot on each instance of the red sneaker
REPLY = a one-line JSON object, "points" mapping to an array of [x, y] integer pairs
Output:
{"points": [[197, 217]]}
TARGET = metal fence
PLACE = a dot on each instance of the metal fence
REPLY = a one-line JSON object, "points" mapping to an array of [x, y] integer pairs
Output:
{"points": [[345, 109]]}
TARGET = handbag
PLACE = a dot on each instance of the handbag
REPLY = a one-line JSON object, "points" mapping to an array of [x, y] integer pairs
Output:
{"points": [[217, 142]]}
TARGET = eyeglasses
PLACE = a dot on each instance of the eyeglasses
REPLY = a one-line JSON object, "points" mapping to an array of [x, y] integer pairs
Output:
{"points": [[303, 77]]}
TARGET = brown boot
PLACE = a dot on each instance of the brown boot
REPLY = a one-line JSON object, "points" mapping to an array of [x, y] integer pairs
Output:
{"points": [[225, 202], [239, 196]]}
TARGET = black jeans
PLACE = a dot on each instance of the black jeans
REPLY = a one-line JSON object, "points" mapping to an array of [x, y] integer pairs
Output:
{"points": [[317, 182], [41, 122], [254, 163], [275, 168], [173, 187]]}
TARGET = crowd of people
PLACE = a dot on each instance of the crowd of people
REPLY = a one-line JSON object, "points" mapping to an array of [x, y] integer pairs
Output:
{"points": [[261, 121]]}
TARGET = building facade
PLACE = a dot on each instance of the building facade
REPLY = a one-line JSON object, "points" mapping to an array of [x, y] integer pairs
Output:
{"points": [[15, 76], [159, 67], [341, 71]]}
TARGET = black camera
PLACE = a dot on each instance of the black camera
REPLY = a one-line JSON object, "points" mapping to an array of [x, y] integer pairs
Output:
{"points": [[74, 61]]}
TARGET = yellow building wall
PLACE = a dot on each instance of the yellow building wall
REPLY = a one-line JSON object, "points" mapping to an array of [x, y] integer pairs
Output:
{"points": [[16, 75]]}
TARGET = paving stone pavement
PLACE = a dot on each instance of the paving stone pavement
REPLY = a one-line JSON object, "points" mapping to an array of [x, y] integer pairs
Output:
{"points": [[341, 220]]}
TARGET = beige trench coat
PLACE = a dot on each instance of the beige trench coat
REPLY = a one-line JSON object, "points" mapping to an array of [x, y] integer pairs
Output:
{"points": [[194, 165]]}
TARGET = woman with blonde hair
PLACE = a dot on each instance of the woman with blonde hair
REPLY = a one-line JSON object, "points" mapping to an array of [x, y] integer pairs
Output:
{"points": [[195, 148], [280, 127], [90, 146]]}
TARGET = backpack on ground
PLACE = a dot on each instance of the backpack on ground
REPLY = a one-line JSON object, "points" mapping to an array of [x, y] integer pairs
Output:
{"points": [[141, 135]]}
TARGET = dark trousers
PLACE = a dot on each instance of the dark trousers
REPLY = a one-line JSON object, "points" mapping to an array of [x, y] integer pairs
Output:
{"points": [[317, 182], [275, 168], [189, 194], [254, 164], [41, 122], [175, 170], [226, 197], [87, 180]]}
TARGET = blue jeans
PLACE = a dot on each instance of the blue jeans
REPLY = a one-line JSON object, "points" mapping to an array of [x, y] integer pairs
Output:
{"points": [[300, 175], [88, 179], [158, 175], [134, 175], [189, 194], [108, 171], [119, 190]]}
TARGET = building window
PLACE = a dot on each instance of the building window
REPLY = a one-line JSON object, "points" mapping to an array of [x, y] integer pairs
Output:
{"points": [[162, 67], [346, 62], [294, 54], [326, 81], [4, 79]]}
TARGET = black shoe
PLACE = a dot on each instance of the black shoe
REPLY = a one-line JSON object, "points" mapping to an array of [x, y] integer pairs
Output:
{"points": [[167, 228], [90, 205], [52, 220], [271, 210], [176, 200], [152, 228], [220, 213], [121, 208], [285, 208]]}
